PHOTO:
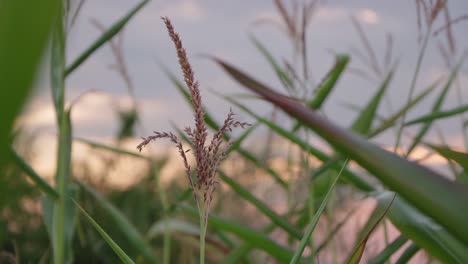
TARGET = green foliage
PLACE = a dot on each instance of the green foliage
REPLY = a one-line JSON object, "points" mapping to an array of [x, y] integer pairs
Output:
{"points": [[82, 220]]}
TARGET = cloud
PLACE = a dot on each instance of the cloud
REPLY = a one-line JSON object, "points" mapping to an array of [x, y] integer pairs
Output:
{"points": [[340, 14], [189, 10], [368, 16], [327, 14], [91, 108]]}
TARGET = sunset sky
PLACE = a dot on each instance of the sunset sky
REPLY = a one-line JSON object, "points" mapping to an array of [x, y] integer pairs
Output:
{"points": [[222, 28]]}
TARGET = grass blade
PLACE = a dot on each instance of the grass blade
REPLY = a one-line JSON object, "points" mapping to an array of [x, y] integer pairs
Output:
{"points": [[438, 115], [24, 32], [459, 157], [325, 88], [376, 217], [118, 251], [262, 207], [112, 149], [437, 105], [70, 216], [282, 75], [38, 180], [257, 239], [120, 220], [314, 220], [363, 122], [111, 32], [388, 251], [409, 252], [390, 122], [347, 174], [433, 194], [424, 231], [62, 242]]}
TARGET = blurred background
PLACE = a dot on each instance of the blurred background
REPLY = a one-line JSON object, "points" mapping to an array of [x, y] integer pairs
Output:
{"points": [[126, 90]]}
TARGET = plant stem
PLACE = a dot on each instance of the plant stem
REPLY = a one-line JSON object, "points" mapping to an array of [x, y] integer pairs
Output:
{"points": [[203, 224], [413, 85]]}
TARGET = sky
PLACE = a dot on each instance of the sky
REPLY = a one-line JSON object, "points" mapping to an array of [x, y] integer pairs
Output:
{"points": [[223, 29]]}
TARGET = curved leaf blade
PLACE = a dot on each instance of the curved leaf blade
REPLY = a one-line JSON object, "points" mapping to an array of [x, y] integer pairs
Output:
{"points": [[430, 192]]}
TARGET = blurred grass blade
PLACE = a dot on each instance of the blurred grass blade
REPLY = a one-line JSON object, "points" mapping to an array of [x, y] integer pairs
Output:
{"points": [[409, 252], [112, 149], [437, 105], [389, 250], [324, 89], [282, 75], [376, 217], [70, 216], [118, 251], [38, 180], [363, 122], [347, 174], [333, 233], [237, 143], [390, 122], [62, 180], [24, 32], [57, 67], [111, 32], [438, 115], [459, 157], [262, 207], [172, 225], [314, 221], [125, 226], [423, 230], [257, 239], [433, 194]]}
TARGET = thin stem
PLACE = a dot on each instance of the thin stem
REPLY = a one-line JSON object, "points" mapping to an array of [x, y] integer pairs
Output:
{"points": [[413, 83], [203, 225]]}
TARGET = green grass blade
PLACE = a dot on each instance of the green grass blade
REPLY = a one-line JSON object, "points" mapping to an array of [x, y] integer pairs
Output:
{"points": [[409, 252], [376, 217], [257, 239], [314, 221], [38, 180], [24, 32], [430, 192], [282, 75], [363, 122], [390, 122], [324, 89], [424, 231], [118, 251], [347, 174], [262, 207], [172, 225], [70, 215], [62, 180], [389, 250], [125, 226], [112, 149], [438, 115], [437, 105], [111, 32], [459, 157]]}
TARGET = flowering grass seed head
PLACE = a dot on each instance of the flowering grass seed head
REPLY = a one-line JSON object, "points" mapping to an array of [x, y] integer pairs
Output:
{"points": [[207, 156]]}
